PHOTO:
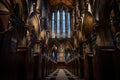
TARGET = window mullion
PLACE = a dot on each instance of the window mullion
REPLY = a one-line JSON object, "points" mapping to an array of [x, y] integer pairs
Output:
{"points": [[66, 21], [55, 23], [61, 23]]}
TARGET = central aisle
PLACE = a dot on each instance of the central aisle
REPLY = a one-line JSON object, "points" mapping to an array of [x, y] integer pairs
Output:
{"points": [[61, 74]]}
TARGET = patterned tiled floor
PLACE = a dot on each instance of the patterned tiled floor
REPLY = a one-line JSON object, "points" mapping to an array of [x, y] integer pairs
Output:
{"points": [[61, 74]]}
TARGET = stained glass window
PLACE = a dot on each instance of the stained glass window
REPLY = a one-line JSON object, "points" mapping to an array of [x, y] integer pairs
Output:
{"points": [[68, 25], [53, 25], [58, 24], [63, 23], [68, 54], [53, 54]]}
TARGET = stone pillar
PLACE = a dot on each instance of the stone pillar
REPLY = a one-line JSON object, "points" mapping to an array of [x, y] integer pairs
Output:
{"points": [[103, 34], [38, 6], [22, 54], [73, 19], [37, 60]]}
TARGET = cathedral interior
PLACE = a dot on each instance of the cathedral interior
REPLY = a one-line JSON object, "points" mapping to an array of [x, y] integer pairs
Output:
{"points": [[59, 39]]}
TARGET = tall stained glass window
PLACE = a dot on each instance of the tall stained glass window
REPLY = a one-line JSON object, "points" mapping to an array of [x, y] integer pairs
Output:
{"points": [[63, 23], [68, 25], [53, 25], [58, 24]]}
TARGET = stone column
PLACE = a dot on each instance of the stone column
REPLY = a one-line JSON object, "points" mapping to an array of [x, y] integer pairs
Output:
{"points": [[38, 6], [104, 36], [72, 21]]}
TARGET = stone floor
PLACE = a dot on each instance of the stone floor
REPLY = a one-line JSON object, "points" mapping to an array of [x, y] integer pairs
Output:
{"points": [[61, 74]]}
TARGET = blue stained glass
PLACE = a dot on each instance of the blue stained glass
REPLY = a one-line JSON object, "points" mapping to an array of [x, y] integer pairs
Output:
{"points": [[53, 54], [68, 25], [68, 54], [53, 25], [58, 24], [63, 23], [63, 26]]}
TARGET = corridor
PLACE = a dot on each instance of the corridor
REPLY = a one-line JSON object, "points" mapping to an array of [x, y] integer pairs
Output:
{"points": [[61, 74]]}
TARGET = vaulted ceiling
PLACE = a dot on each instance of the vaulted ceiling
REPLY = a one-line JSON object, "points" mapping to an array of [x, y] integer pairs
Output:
{"points": [[69, 3]]}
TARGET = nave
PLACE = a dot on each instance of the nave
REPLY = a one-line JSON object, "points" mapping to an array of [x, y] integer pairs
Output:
{"points": [[59, 39], [62, 74]]}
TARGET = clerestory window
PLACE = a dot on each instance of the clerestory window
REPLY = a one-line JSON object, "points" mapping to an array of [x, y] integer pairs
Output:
{"points": [[61, 26]]}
